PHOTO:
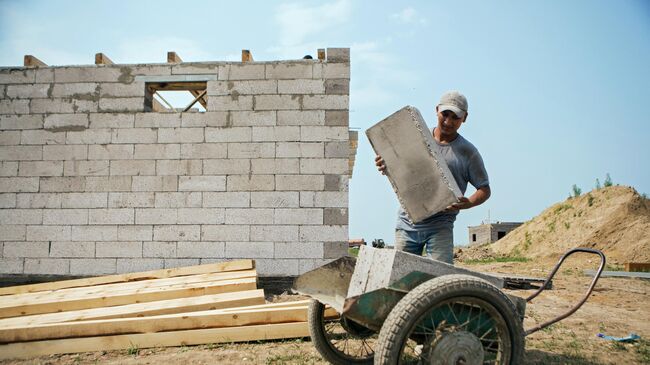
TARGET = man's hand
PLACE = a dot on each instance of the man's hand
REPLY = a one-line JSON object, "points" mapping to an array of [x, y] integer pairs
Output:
{"points": [[381, 165], [463, 203]]}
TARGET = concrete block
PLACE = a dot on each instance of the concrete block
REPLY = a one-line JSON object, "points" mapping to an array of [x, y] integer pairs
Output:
{"points": [[226, 166], [334, 250], [27, 91], [108, 183], [136, 167], [323, 134], [204, 150], [236, 199], [179, 167], [89, 73], [93, 233], [41, 137], [249, 250], [275, 199], [324, 166], [201, 215], [11, 266], [336, 71], [82, 200], [72, 249], [40, 168], [245, 87], [299, 182], [283, 133], [21, 216], [89, 136], [274, 233], [298, 216], [171, 263], [250, 182], [331, 199], [248, 71], [178, 200], [249, 216], [13, 232], [156, 183], [417, 170], [65, 216], [19, 76], [118, 249], [336, 183], [86, 168], [298, 250], [112, 216], [92, 266], [251, 150], [15, 106], [206, 119], [69, 153], [229, 134], [110, 152], [252, 118], [25, 249], [335, 216], [180, 135], [200, 68], [311, 264], [338, 55], [47, 266], [18, 184], [114, 89], [147, 70], [230, 232], [295, 149], [122, 105], [131, 200], [47, 233], [337, 149], [339, 118], [301, 117], [340, 102], [157, 151], [201, 183], [21, 121], [232, 102], [277, 267], [156, 216], [177, 233], [62, 105], [159, 249], [134, 135], [9, 138], [201, 249], [396, 265], [157, 120], [8, 201], [301, 86], [38, 200], [337, 86], [322, 233], [111, 120], [8, 168], [277, 102], [44, 75], [289, 70], [87, 90], [275, 166], [135, 233], [136, 265]]}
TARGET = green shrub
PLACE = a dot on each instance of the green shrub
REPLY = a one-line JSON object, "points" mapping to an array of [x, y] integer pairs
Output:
{"points": [[608, 180], [576, 191]]}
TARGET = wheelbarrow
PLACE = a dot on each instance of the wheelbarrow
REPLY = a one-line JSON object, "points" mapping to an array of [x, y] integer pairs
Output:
{"points": [[393, 307]]}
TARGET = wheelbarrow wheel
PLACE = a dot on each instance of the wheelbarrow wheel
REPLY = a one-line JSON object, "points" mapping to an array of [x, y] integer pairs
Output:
{"points": [[339, 340], [452, 319]]}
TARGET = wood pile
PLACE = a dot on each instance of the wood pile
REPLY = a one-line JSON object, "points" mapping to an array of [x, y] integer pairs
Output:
{"points": [[203, 304]]}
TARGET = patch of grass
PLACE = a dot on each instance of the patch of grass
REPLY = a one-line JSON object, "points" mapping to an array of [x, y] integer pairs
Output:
{"points": [[642, 349], [618, 346], [562, 207], [133, 350], [491, 260], [299, 358], [590, 199], [353, 251], [614, 267], [528, 241], [567, 225]]}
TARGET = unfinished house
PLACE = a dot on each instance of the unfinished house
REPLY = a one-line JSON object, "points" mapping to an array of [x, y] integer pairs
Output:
{"points": [[490, 232], [101, 173]]}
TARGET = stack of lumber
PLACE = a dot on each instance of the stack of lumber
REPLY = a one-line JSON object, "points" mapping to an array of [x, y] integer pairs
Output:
{"points": [[183, 306]]}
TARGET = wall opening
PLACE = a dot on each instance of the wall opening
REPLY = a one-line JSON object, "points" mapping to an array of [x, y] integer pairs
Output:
{"points": [[501, 234], [473, 237], [176, 97]]}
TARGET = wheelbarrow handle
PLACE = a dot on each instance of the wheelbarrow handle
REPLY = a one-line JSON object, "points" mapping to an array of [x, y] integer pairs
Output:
{"points": [[552, 274]]}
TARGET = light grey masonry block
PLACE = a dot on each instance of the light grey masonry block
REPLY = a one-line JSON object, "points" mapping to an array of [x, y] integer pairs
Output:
{"points": [[414, 166]]}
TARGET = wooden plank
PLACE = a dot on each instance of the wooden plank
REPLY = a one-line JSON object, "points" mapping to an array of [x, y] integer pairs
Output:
{"points": [[177, 86], [129, 297], [246, 55], [147, 340], [171, 322], [32, 61], [221, 301], [637, 266], [619, 274], [173, 57], [119, 278], [321, 54], [102, 59]]}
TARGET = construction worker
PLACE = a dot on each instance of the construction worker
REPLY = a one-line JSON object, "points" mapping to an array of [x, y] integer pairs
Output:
{"points": [[435, 235]]}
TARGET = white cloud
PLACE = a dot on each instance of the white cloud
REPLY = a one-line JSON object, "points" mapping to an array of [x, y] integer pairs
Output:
{"points": [[409, 16], [298, 22]]}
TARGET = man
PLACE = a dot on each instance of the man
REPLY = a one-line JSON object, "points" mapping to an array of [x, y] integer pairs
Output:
{"points": [[436, 233]]}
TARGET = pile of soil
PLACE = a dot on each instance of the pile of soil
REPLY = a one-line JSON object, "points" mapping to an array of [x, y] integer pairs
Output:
{"points": [[613, 219]]}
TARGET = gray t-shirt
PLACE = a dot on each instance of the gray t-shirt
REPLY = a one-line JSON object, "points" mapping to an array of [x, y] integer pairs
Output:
{"points": [[466, 165]]}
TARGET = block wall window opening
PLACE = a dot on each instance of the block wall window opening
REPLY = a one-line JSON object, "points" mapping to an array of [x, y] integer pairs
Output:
{"points": [[175, 97], [473, 237], [501, 234]]}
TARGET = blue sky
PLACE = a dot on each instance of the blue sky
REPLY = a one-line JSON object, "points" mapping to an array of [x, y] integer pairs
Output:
{"points": [[558, 90]]}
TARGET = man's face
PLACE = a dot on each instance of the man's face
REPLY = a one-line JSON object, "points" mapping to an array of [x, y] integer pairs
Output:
{"points": [[449, 122]]}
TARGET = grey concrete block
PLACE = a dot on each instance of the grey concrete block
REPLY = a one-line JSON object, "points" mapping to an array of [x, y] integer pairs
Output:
{"points": [[111, 216], [201, 249], [177, 233], [204, 150], [89, 136], [7, 201], [21, 153], [249, 250], [277, 267], [336, 183], [27, 91], [226, 166], [88, 90], [251, 150], [201, 183], [134, 135], [163, 183], [250, 183], [337, 149], [41, 137], [110, 152], [229, 233], [156, 216], [121, 104], [252, 118], [92, 266], [336, 71], [322, 233], [89, 73], [416, 169], [135, 233], [13, 232], [157, 120], [178, 200], [159, 249], [47, 266], [111, 120], [82, 200], [323, 134], [135, 265], [247, 71], [274, 233], [329, 199], [335, 216], [246, 87], [337, 86], [311, 264], [277, 102], [289, 70], [232, 102], [21, 121], [131, 200], [48, 233], [324, 166], [40, 168], [338, 54], [298, 250], [249, 216], [336, 102], [299, 182], [44, 75], [9, 138], [25, 249], [201, 215], [8, 168], [92, 233], [108, 183], [161, 70], [17, 76], [229, 134], [298, 216], [275, 199], [275, 166], [118, 249], [337, 118], [231, 199], [299, 149], [157, 151], [15, 106], [206, 119], [68, 249], [65, 216], [21, 216], [301, 117], [19, 184], [86, 168], [301, 86], [11, 266], [281, 133], [196, 68], [180, 135], [114, 89], [334, 250], [137, 167], [170, 263], [62, 105], [70, 153]]}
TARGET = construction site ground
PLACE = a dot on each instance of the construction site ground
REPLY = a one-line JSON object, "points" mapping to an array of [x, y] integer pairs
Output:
{"points": [[617, 307]]}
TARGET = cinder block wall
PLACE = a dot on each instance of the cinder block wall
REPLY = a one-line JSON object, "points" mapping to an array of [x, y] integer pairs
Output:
{"points": [[92, 184]]}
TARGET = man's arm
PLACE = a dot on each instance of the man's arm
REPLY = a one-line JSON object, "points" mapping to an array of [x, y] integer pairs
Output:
{"points": [[479, 197]]}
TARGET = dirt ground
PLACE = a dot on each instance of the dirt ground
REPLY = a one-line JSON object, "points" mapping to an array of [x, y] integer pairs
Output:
{"points": [[617, 307]]}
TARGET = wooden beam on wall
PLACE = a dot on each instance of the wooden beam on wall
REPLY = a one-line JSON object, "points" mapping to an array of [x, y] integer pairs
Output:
{"points": [[32, 61], [173, 57], [102, 59], [321, 54], [246, 55]]}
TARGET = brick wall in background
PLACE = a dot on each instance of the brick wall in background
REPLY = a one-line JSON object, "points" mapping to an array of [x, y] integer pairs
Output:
{"points": [[92, 184]]}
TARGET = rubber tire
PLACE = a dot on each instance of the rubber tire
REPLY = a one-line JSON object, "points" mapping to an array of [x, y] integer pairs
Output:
{"points": [[425, 296], [315, 314]]}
